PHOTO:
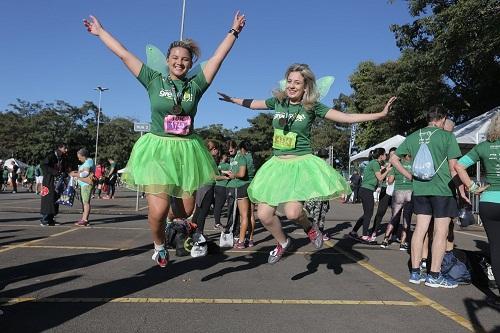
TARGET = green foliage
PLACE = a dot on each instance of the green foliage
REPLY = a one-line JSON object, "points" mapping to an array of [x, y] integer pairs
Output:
{"points": [[31, 130], [461, 40]]}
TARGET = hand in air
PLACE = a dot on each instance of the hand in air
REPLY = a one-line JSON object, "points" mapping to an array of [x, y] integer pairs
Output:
{"points": [[238, 22], [93, 25], [388, 106], [224, 97]]}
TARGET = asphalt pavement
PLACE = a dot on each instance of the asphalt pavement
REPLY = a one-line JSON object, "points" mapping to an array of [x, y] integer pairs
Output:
{"points": [[102, 279]]}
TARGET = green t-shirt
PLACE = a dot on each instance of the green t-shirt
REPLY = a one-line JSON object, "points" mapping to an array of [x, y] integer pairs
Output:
{"points": [[235, 163], [301, 121], [30, 172], [443, 147], [489, 155], [223, 167], [401, 183], [370, 181], [250, 167], [162, 99]]}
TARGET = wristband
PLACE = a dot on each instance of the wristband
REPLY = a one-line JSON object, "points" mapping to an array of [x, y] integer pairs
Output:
{"points": [[234, 32]]}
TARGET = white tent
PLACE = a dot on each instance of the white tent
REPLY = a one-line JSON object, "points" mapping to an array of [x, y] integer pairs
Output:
{"points": [[473, 131], [395, 141], [8, 163]]}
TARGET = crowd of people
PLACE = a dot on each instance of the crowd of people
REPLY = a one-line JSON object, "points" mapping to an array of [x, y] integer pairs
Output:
{"points": [[184, 177]]}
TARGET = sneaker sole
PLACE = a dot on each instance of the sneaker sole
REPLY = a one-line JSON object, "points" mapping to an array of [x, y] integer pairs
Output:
{"points": [[436, 285], [414, 281]]}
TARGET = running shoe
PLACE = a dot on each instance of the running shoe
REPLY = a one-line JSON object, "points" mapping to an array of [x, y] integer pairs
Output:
{"points": [[250, 243], [82, 223], [276, 254], [416, 278], [326, 237], [403, 247], [218, 226], [385, 243], [440, 282], [316, 237], [239, 245], [353, 235], [160, 257]]}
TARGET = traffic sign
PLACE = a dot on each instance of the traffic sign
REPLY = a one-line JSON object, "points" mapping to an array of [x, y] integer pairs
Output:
{"points": [[142, 127]]}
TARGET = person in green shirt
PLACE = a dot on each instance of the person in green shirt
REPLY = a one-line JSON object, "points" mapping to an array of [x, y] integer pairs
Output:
{"points": [[431, 198], [171, 162], [220, 190], [488, 152], [30, 177], [240, 174], [373, 174], [294, 175], [401, 201]]}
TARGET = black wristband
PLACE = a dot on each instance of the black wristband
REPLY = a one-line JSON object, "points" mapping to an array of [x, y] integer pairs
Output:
{"points": [[234, 32]]}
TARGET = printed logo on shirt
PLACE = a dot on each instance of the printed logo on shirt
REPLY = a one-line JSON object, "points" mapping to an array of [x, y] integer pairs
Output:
{"points": [[168, 95], [279, 115]]}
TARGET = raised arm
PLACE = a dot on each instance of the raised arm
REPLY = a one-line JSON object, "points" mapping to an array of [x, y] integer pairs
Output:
{"points": [[342, 117], [254, 104], [131, 61], [213, 64]]}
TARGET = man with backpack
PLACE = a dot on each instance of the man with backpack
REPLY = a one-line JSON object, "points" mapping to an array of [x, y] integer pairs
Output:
{"points": [[435, 154]]}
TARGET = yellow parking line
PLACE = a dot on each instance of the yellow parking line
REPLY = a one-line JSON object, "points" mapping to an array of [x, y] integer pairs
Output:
{"points": [[205, 301], [467, 233], [25, 244], [422, 298], [170, 250]]}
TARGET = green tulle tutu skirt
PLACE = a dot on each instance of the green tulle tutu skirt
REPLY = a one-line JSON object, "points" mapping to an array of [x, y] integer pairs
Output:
{"points": [[176, 166], [300, 178]]}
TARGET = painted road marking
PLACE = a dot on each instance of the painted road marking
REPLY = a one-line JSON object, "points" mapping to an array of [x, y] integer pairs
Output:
{"points": [[17, 300], [468, 233], [422, 298], [170, 250], [36, 240]]}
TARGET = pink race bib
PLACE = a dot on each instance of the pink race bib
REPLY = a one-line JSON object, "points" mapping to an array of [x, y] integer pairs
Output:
{"points": [[179, 125]]}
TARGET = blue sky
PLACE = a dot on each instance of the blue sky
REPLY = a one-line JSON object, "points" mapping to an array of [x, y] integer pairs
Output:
{"points": [[48, 55]]}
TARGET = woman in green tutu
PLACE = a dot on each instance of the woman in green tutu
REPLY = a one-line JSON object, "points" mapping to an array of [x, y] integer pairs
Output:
{"points": [[171, 161], [293, 175]]}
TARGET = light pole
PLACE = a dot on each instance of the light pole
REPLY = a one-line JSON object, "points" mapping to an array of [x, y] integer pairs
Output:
{"points": [[182, 18], [100, 89]]}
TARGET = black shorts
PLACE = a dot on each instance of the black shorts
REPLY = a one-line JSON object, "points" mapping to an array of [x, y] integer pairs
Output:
{"points": [[241, 191], [435, 206]]}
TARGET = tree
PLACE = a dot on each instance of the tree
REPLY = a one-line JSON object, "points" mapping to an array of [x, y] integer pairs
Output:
{"points": [[461, 40]]}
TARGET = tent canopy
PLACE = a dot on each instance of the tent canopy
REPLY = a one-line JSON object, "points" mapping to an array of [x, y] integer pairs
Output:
{"points": [[395, 141], [8, 163], [473, 131]]}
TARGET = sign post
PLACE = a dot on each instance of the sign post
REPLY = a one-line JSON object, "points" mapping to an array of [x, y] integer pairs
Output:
{"points": [[140, 127]]}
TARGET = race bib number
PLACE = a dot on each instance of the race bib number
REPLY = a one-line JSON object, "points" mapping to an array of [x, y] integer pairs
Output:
{"points": [[284, 141], [179, 125]]}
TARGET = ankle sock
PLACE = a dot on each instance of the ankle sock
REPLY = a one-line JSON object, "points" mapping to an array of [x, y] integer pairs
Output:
{"points": [[285, 244], [434, 275], [159, 247]]}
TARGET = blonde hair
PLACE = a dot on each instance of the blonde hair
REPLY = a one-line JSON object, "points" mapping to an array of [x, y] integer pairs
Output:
{"points": [[311, 94], [493, 133], [188, 44]]}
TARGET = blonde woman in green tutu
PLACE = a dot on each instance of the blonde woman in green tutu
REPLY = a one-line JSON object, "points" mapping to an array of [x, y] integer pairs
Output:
{"points": [[293, 175], [171, 161]]}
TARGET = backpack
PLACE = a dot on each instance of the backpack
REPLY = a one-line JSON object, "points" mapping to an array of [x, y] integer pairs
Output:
{"points": [[423, 165], [455, 269]]}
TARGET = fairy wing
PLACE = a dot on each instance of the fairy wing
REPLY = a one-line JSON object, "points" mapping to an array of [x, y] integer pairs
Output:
{"points": [[156, 61], [323, 84]]}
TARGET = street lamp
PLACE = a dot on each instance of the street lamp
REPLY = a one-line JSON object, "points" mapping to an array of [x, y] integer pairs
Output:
{"points": [[100, 89], [182, 18]]}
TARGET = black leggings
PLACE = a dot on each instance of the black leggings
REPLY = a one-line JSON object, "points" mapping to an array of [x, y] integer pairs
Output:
{"points": [[201, 212], [220, 193], [384, 200], [368, 203], [490, 215]]}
